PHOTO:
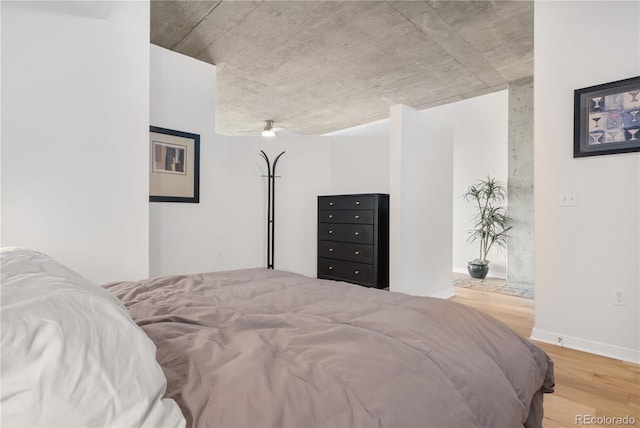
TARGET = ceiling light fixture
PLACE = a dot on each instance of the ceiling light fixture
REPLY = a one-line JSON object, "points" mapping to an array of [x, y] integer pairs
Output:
{"points": [[268, 129]]}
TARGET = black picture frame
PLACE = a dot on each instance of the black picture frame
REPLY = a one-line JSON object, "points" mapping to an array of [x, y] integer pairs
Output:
{"points": [[174, 166], [607, 118]]}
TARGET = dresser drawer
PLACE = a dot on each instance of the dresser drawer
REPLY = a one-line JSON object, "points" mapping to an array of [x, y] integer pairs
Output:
{"points": [[341, 250], [348, 271], [358, 233], [346, 216], [346, 202]]}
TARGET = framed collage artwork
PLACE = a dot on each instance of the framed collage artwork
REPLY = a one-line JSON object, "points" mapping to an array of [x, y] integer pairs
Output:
{"points": [[607, 118]]}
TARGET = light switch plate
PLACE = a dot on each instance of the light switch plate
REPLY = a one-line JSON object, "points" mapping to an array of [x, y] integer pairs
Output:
{"points": [[569, 199]]}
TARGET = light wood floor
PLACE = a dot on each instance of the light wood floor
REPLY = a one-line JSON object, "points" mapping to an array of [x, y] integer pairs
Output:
{"points": [[586, 384]]}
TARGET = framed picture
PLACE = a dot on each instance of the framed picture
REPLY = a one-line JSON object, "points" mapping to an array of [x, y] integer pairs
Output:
{"points": [[174, 172], [607, 118]]}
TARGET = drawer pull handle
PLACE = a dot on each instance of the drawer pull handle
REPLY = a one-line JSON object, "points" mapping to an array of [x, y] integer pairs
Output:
{"points": [[330, 215], [357, 272], [330, 204], [330, 267], [357, 202], [356, 253], [357, 233], [331, 250], [330, 232], [356, 217]]}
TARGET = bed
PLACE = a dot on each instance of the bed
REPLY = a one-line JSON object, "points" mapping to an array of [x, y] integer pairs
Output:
{"points": [[266, 348]]}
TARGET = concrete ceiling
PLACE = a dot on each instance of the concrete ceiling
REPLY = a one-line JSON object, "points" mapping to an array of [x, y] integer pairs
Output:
{"points": [[321, 66]]}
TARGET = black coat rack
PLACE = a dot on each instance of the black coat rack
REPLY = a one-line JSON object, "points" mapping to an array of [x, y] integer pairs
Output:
{"points": [[271, 193]]}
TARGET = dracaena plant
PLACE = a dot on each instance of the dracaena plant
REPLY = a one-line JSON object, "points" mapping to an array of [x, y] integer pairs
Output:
{"points": [[490, 223]]}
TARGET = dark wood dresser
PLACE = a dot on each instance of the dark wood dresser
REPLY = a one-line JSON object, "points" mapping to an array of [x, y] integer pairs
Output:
{"points": [[353, 239]]}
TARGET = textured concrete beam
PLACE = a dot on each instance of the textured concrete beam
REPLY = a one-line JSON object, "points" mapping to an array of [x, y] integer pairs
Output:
{"points": [[520, 182]]}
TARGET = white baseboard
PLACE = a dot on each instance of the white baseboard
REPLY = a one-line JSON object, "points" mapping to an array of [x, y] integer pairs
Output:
{"points": [[590, 346], [445, 294]]}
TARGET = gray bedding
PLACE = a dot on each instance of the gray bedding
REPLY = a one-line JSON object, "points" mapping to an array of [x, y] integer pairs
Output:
{"points": [[264, 348]]}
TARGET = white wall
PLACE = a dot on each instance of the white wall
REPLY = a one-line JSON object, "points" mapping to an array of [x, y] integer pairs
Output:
{"points": [[311, 166], [421, 204], [481, 138], [227, 229], [75, 106], [360, 164], [185, 237], [583, 252], [305, 173], [480, 132]]}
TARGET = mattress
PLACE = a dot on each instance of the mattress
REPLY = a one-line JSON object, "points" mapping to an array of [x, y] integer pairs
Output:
{"points": [[267, 348]]}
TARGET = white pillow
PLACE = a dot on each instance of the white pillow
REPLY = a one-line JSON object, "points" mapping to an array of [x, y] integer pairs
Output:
{"points": [[71, 354]]}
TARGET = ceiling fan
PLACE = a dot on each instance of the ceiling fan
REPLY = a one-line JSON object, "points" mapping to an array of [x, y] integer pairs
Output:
{"points": [[267, 131]]}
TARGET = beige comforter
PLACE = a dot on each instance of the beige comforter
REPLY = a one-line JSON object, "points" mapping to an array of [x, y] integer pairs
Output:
{"points": [[264, 348]]}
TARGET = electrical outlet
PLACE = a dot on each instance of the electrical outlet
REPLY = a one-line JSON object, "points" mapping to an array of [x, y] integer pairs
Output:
{"points": [[619, 297], [560, 341]]}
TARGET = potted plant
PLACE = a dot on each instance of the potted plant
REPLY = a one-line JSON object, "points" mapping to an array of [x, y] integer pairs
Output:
{"points": [[490, 221]]}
